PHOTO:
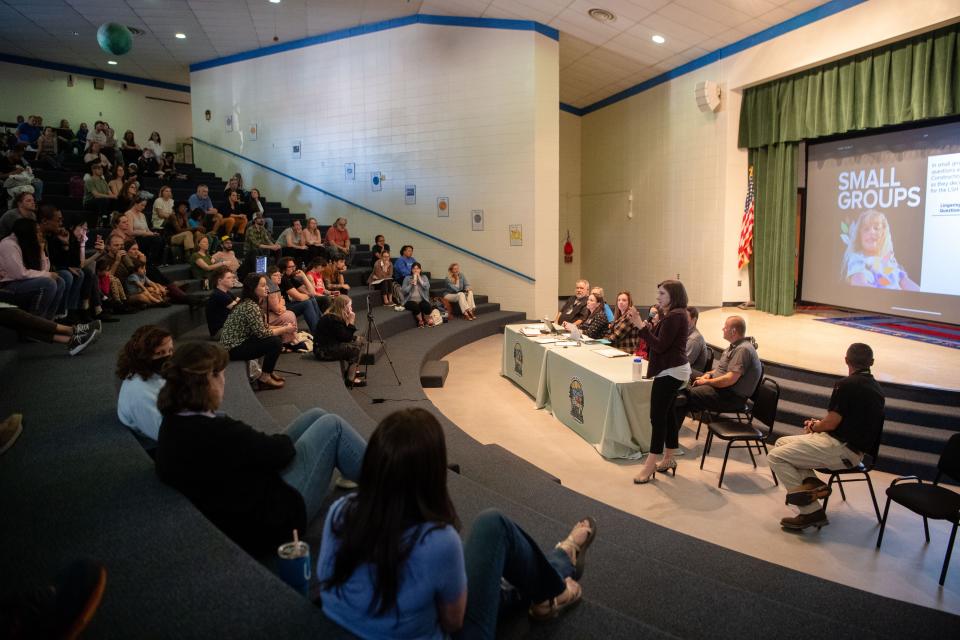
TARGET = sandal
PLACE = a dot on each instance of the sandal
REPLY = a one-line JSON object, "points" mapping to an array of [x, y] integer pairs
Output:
{"points": [[579, 551], [550, 609]]}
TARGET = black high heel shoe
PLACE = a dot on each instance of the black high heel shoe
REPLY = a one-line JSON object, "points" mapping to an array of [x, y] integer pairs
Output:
{"points": [[670, 466], [649, 478]]}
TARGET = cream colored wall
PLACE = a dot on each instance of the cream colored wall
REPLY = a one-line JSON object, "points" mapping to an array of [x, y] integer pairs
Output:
{"points": [[686, 173], [460, 112], [44, 92], [569, 201]]}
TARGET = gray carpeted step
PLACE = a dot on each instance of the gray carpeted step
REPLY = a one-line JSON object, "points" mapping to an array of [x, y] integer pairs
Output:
{"points": [[433, 373]]}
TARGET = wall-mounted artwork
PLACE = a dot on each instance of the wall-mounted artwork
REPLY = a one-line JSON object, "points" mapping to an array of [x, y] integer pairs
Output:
{"points": [[252, 131], [476, 219], [410, 194], [443, 207], [350, 171], [376, 181], [295, 149]]}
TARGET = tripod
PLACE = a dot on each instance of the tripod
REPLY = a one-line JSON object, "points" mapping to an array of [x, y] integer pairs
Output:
{"points": [[372, 328]]}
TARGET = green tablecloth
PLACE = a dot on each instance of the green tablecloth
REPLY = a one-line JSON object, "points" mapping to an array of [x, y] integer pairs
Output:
{"points": [[593, 395]]}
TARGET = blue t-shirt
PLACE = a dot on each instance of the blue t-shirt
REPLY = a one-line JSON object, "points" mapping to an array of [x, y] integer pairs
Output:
{"points": [[196, 202], [402, 267], [433, 574]]}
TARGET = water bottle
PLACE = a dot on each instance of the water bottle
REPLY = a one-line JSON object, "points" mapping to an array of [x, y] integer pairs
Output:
{"points": [[638, 368]]}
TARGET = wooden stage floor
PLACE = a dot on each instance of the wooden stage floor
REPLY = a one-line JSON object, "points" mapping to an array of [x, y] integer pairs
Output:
{"points": [[800, 341]]}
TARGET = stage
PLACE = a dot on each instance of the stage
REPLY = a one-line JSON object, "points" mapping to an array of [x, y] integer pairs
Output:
{"points": [[803, 342]]}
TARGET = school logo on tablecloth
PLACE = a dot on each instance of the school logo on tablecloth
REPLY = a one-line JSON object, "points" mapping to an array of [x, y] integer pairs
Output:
{"points": [[518, 359], [576, 400]]}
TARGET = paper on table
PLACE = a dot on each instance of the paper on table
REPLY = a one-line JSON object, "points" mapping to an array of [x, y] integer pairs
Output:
{"points": [[610, 353], [567, 343], [530, 331], [544, 340]]}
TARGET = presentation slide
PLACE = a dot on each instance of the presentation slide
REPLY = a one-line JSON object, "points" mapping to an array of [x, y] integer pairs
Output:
{"points": [[882, 227]]}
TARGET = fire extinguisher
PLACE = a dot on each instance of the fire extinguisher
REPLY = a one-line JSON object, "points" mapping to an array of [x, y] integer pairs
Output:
{"points": [[568, 249]]}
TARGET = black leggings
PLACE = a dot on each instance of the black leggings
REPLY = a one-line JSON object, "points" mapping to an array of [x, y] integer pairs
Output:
{"points": [[253, 348], [417, 308], [662, 419]]}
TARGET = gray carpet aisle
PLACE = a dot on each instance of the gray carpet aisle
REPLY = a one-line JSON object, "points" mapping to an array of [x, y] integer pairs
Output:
{"points": [[77, 484]]}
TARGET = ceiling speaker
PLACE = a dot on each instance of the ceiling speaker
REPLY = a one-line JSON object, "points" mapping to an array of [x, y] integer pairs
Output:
{"points": [[708, 96]]}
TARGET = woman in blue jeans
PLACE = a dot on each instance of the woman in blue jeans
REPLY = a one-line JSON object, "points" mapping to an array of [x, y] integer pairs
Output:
{"points": [[257, 488], [391, 562]]}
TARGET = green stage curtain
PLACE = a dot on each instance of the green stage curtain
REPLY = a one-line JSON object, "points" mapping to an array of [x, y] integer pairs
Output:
{"points": [[775, 231], [915, 79]]}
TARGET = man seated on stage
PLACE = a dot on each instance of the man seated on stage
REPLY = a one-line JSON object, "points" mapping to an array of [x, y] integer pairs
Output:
{"points": [[574, 310], [852, 425], [697, 349], [731, 382]]}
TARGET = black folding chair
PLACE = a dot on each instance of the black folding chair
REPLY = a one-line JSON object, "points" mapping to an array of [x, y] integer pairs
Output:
{"points": [[746, 434], [742, 413], [930, 500], [864, 468]]}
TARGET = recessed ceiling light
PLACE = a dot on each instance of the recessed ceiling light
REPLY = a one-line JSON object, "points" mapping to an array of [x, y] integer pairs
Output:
{"points": [[274, 1], [111, 62], [659, 39], [76, 33], [602, 15], [180, 36]]}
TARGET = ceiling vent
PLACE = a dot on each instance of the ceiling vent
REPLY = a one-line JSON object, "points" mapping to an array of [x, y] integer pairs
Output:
{"points": [[602, 15], [135, 31]]}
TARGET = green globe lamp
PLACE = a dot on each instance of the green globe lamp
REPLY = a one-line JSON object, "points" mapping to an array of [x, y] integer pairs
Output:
{"points": [[114, 38]]}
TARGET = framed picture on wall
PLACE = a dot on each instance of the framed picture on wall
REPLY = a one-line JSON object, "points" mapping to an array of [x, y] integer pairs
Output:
{"points": [[252, 131], [516, 235], [476, 219], [443, 207], [229, 123], [410, 194]]}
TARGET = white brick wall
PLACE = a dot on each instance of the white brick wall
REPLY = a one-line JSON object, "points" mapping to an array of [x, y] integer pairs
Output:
{"points": [[450, 109]]}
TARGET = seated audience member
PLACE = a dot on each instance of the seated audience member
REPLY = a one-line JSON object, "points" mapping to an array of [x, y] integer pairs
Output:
{"points": [[201, 200], [293, 243], [80, 143], [314, 239], [69, 252], [121, 227], [14, 166], [697, 349], [48, 151], [333, 276], [162, 208], [403, 265], [226, 256], [279, 316], [456, 288], [247, 336], [606, 307], [56, 241], [150, 241], [77, 338], [97, 198], [129, 193], [117, 180], [416, 296], [28, 131], [138, 367], [142, 291], [258, 240], [95, 156], [337, 240], [202, 263], [148, 164], [381, 278], [129, 146], [379, 245], [595, 324], [254, 206], [24, 206], [574, 310], [97, 135], [25, 271], [391, 561], [312, 284], [335, 337], [256, 488], [731, 382], [235, 183], [221, 300], [154, 144], [177, 228], [232, 210], [302, 303], [624, 332], [168, 168], [853, 423]]}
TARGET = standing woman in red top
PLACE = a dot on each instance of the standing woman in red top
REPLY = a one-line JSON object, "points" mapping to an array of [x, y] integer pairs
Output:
{"points": [[667, 343]]}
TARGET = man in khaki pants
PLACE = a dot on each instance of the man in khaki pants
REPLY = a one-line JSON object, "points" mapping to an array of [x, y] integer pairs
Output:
{"points": [[853, 423]]}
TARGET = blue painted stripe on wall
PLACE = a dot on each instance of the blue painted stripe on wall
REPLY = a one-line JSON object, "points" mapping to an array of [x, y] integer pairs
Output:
{"points": [[69, 68], [370, 211], [796, 22], [352, 32]]}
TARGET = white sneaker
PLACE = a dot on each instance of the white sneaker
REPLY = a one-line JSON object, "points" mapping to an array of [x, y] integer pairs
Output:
{"points": [[81, 341], [399, 307]]}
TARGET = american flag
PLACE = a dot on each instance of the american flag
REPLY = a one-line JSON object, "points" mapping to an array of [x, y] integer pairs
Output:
{"points": [[745, 250]]}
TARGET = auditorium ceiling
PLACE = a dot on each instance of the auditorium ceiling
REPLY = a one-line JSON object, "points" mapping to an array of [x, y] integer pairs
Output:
{"points": [[597, 59]]}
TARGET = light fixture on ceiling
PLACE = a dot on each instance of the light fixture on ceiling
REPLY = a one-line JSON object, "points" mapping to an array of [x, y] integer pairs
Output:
{"points": [[180, 36], [274, 1], [602, 15], [111, 62], [658, 39], [76, 33]]}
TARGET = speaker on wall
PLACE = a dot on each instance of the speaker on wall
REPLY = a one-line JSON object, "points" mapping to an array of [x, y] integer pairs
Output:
{"points": [[98, 84], [708, 96]]}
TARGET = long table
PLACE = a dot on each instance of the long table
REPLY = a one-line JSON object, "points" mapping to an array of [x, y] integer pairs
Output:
{"points": [[594, 396]]}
